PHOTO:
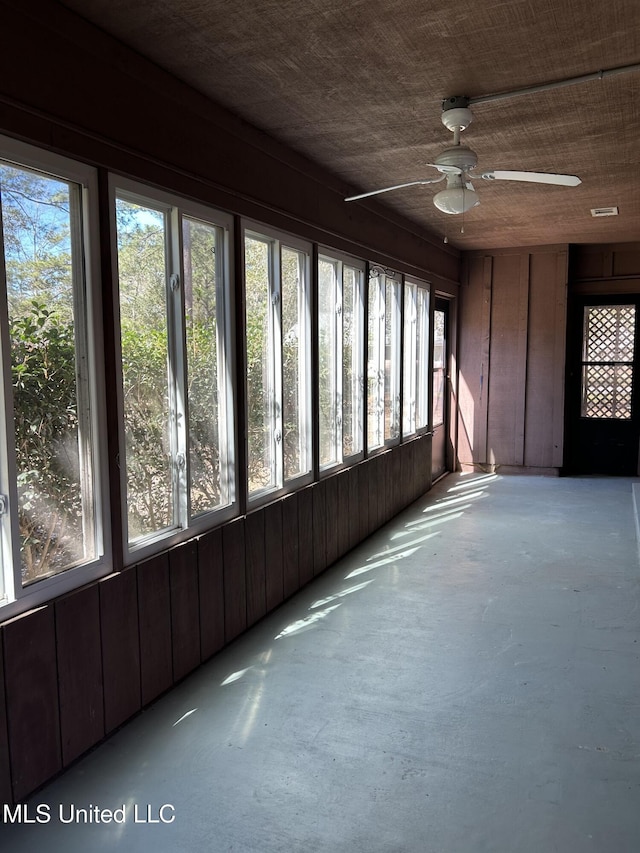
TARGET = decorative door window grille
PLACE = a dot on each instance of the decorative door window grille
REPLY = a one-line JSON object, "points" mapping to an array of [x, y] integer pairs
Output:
{"points": [[607, 361]]}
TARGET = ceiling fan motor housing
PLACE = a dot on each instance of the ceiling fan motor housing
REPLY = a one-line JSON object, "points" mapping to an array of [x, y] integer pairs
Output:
{"points": [[457, 157]]}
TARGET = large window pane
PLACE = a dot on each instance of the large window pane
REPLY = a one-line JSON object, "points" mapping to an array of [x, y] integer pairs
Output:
{"points": [[294, 360], [352, 391], [410, 361], [260, 369], [142, 272], [341, 342], [415, 412], [203, 252], [422, 358], [328, 360], [392, 360], [375, 363], [439, 361], [176, 368], [278, 381], [43, 257]]}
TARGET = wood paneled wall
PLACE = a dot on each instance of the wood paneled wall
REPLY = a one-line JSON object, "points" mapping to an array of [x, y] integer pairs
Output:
{"points": [[75, 669], [609, 268], [512, 327], [604, 262]]}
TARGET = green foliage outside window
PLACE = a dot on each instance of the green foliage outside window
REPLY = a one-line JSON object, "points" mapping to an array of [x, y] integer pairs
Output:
{"points": [[37, 229], [45, 417], [49, 369]]}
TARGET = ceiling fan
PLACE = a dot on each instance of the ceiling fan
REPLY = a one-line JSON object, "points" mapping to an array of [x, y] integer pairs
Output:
{"points": [[456, 165]]}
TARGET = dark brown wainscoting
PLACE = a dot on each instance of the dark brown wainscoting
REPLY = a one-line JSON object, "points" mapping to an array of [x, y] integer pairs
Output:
{"points": [[76, 668]]}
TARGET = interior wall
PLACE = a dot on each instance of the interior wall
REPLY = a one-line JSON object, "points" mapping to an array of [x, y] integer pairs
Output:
{"points": [[604, 268], [78, 667], [74, 669], [511, 359]]}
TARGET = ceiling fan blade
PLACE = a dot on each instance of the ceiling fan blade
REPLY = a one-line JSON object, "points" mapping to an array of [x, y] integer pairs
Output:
{"points": [[532, 177], [396, 187]]}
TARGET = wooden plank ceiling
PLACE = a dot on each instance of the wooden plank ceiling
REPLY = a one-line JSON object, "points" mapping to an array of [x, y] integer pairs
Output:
{"points": [[357, 86]]}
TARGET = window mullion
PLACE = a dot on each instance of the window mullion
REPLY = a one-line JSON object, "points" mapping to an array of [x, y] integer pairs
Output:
{"points": [[381, 347], [396, 359], [275, 342], [304, 354], [409, 360], [337, 363], [177, 368], [413, 357], [424, 358], [223, 367], [83, 369], [357, 350], [10, 569]]}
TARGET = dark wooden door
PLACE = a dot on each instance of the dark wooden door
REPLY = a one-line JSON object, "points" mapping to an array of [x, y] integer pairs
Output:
{"points": [[602, 423]]}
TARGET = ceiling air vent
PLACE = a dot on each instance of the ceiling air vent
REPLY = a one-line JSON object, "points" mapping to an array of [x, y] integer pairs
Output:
{"points": [[604, 211]]}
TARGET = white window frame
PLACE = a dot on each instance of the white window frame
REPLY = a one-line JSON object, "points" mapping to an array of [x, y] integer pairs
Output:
{"points": [[341, 261], [445, 359], [415, 391], [409, 339], [277, 241], [396, 284], [334, 323], [381, 279], [14, 597], [423, 407], [375, 364], [176, 208]]}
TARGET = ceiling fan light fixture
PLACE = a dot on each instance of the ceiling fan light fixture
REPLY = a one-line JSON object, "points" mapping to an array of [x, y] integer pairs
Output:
{"points": [[456, 200]]}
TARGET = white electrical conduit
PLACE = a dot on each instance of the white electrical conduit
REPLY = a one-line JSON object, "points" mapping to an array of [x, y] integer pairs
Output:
{"points": [[558, 84]]}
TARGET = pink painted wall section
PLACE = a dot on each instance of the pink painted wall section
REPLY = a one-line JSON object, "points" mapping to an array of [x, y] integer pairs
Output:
{"points": [[511, 359]]}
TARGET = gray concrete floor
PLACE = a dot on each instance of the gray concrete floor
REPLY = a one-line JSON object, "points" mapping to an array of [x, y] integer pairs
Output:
{"points": [[467, 680]]}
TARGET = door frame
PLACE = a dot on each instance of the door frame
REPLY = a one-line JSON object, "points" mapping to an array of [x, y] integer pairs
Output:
{"points": [[448, 303], [573, 463]]}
